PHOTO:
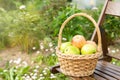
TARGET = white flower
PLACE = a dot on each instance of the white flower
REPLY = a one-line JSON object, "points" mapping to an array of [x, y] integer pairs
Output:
{"points": [[35, 70], [27, 76], [25, 63], [10, 61], [32, 62], [41, 47], [46, 50], [117, 50], [113, 51], [23, 77], [51, 49], [34, 48], [41, 75], [45, 73], [53, 54], [52, 76], [38, 52], [22, 7], [94, 8], [41, 78], [37, 67], [5, 70], [50, 44], [31, 74], [17, 66], [64, 39], [34, 77], [35, 74], [46, 68], [16, 78], [113, 62], [17, 61], [55, 47]]}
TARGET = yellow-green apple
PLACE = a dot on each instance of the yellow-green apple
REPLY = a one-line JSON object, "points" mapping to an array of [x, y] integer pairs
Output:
{"points": [[88, 49], [72, 50], [64, 45], [78, 41]]}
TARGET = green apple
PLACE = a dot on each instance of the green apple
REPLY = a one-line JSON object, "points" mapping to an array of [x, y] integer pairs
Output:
{"points": [[88, 49], [64, 45], [72, 50]]}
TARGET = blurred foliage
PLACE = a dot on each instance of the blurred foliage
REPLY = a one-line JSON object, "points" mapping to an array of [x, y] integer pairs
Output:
{"points": [[24, 23], [21, 28], [115, 62], [112, 25], [83, 26], [78, 25], [27, 23]]}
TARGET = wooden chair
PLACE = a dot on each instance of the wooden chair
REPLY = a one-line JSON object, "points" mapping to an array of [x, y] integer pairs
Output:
{"points": [[104, 69]]}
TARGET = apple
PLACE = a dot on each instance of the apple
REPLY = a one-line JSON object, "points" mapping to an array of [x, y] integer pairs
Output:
{"points": [[78, 41], [88, 49], [91, 42], [64, 45], [72, 50]]}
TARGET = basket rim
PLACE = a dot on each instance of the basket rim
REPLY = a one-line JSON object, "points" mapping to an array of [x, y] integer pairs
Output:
{"points": [[76, 57]]}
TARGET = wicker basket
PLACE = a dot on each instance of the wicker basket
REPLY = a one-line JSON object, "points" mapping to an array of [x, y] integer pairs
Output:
{"points": [[78, 65]]}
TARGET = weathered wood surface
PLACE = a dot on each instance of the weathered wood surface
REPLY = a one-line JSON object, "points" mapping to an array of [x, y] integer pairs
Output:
{"points": [[113, 8]]}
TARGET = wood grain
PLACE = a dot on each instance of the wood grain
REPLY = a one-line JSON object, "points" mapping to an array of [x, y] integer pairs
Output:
{"points": [[113, 8]]}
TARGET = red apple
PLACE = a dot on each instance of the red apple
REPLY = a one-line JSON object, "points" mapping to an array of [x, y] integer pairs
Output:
{"points": [[78, 41], [92, 42]]}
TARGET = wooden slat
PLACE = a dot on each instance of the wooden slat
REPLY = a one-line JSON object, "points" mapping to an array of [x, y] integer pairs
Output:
{"points": [[109, 65], [104, 75], [113, 8], [108, 72], [109, 69], [97, 77]]}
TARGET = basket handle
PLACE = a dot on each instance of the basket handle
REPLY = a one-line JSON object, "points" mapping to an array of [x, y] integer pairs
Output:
{"points": [[88, 17]]}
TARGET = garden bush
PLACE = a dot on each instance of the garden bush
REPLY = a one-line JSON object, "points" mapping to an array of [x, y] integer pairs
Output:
{"points": [[27, 23], [78, 25], [111, 26]]}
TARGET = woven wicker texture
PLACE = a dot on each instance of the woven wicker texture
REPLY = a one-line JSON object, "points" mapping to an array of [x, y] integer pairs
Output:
{"points": [[78, 65]]}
